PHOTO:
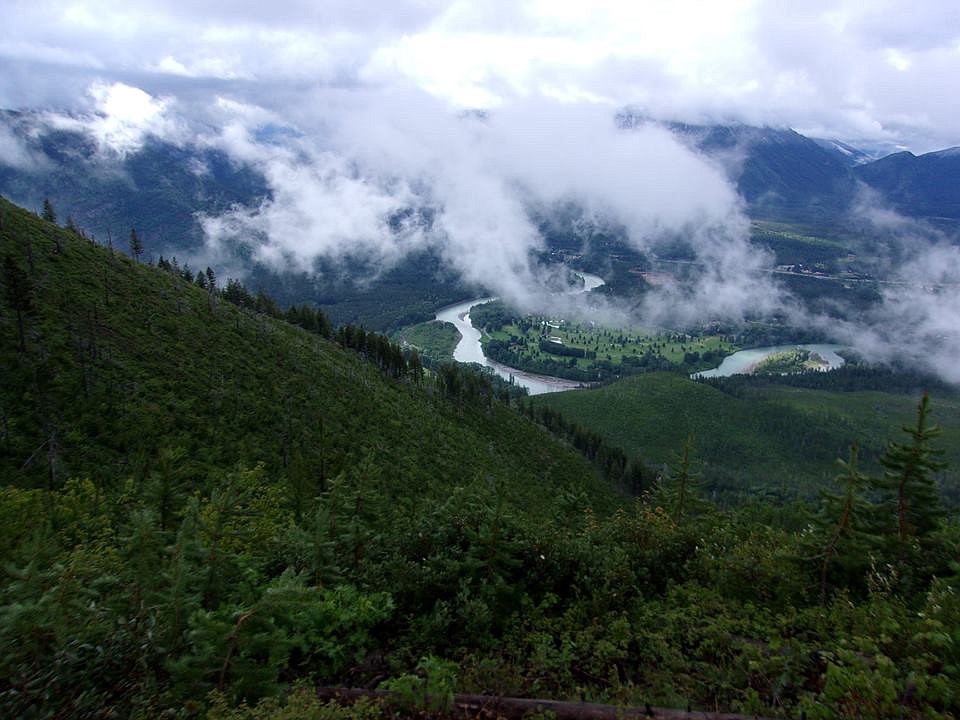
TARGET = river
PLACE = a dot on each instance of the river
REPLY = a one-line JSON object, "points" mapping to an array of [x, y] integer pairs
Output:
{"points": [[744, 361], [470, 349]]}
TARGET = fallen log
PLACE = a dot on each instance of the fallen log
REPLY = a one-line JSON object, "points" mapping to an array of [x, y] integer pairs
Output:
{"points": [[511, 708]]}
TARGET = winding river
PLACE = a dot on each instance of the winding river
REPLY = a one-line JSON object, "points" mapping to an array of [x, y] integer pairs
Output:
{"points": [[470, 349], [745, 361]]}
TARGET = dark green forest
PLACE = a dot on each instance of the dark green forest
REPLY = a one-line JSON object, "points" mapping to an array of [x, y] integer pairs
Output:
{"points": [[212, 505]]}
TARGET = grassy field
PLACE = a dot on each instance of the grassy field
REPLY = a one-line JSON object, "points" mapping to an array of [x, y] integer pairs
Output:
{"points": [[790, 361], [585, 351], [778, 440], [433, 340], [609, 343]]}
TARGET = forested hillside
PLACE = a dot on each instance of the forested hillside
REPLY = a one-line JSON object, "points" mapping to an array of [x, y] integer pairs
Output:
{"points": [[208, 512], [755, 436]]}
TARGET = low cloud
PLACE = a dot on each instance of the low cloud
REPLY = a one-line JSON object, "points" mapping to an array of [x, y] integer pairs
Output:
{"points": [[917, 321], [15, 153], [376, 175], [122, 118], [379, 175]]}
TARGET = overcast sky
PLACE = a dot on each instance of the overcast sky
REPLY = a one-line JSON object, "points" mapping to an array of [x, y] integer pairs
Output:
{"points": [[860, 70]]}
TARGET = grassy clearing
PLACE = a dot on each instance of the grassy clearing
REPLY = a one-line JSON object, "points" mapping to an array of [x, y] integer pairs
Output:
{"points": [[433, 340]]}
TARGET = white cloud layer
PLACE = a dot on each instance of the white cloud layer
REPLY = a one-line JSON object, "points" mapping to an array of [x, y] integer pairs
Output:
{"points": [[862, 70], [122, 118], [346, 185]]}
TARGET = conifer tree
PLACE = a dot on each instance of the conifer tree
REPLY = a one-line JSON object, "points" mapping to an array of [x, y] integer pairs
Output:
{"points": [[843, 524], [911, 496], [136, 246], [680, 485], [48, 214], [19, 294]]}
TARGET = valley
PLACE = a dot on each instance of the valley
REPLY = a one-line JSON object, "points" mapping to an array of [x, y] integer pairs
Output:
{"points": [[392, 397]]}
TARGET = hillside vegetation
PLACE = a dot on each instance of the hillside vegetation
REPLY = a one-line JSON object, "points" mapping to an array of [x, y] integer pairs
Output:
{"points": [[772, 439], [208, 512], [125, 365]]}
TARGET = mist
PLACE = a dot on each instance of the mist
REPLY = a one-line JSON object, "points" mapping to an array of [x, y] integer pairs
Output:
{"points": [[375, 176]]}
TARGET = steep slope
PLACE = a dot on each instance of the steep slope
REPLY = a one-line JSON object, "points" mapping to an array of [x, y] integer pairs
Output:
{"points": [[780, 173], [159, 188], [126, 365], [919, 186]]}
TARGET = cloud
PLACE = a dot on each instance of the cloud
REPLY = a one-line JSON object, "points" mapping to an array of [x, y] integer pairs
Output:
{"points": [[378, 175], [353, 113], [859, 70], [917, 321], [122, 118], [16, 154]]}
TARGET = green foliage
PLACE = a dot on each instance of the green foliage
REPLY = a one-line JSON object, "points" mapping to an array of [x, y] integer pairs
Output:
{"points": [[136, 246], [435, 341], [207, 509], [908, 480], [771, 440], [679, 486], [431, 688], [790, 362], [48, 213], [844, 529], [300, 704]]}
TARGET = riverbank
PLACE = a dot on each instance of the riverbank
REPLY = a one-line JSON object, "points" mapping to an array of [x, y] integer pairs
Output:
{"points": [[470, 347], [747, 361]]}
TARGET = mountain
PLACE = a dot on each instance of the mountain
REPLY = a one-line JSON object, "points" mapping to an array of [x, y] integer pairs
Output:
{"points": [[781, 174], [926, 186], [147, 362], [850, 155], [787, 177], [159, 189]]}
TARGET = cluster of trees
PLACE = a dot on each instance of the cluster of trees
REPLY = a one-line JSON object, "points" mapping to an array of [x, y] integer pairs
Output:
{"points": [[475, 385], [565, 350], [854, 375], [388, 356], [630, 474], [892, 516], [235, 292], [106, 609]]}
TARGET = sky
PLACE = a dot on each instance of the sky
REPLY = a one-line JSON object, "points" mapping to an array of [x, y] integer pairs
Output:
{"points": [[867, 71]]}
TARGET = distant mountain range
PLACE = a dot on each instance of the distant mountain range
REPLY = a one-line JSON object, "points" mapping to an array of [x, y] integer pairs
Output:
{"points": [[162, 188], [788, 177], [925, 186], [159, 189]]}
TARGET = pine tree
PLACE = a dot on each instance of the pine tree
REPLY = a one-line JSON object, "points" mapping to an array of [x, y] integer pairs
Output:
{"points": [[843, 524], [136, 246], [19, 294], [680, 486], [911, 494], [48, 214]]}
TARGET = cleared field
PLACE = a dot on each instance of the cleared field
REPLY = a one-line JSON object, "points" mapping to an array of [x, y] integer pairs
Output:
{"points": [[433, 340]]}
